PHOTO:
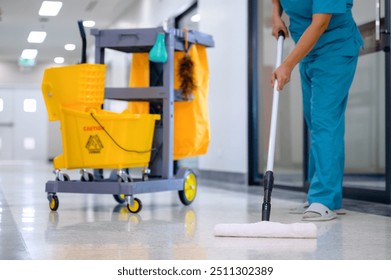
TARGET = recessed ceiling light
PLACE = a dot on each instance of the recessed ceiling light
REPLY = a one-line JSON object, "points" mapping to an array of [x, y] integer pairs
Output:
{"points": [[70, 47], [36, 37], [59, 60], [88, 23], [195, 18], [29, 53], [50, 8]]}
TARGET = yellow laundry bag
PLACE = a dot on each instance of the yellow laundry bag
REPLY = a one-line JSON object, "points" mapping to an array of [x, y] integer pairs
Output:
{"points": [[191, 118]]}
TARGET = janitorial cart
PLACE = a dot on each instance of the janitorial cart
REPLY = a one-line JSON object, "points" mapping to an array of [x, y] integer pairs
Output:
{"points": [[97, 139]]}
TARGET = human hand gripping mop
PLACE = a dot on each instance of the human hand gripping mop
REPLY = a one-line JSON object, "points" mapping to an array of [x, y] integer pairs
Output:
{"points": [[265, 228]]}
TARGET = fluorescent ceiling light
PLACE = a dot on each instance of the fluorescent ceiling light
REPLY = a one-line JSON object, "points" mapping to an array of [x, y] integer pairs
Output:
{"points": [[70, 47], [29, 53], [50, 8], [59, 60], [88, 23], [195, 18], [36, 37]]}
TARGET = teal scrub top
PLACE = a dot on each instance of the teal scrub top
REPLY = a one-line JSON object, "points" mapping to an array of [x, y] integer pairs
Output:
{"points": [[341, 37]]}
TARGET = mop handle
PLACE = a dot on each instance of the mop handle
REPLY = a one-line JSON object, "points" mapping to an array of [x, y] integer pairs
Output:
{"points": [[273, 124]]}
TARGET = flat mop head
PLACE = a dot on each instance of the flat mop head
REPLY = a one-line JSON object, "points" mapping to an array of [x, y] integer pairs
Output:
{"points": [[267, 229]]}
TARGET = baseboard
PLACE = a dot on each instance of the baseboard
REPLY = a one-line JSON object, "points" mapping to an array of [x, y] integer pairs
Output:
{"points": [[223, 176]]}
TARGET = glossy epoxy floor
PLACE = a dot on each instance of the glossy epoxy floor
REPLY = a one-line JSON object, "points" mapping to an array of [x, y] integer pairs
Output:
{"points": [[95, 227]]}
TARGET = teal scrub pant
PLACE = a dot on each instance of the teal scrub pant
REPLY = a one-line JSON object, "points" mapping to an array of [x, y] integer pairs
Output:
{"points": [[325, 85]]}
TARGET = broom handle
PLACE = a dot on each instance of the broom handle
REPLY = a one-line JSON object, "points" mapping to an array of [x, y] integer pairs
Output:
{"points": [[185, 33], [276, 95]]}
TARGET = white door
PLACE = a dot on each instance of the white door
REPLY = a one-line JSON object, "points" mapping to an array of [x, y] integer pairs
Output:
{"points": [[23, 125]]}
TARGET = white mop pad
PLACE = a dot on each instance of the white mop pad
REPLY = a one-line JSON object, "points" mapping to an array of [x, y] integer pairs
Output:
{"points": [[272, 246], [267, 230]]}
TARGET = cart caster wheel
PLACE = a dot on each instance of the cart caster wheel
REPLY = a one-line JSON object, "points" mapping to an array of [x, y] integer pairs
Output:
{"points": [[188, 194], [122, 177], [137, 206], [65, 177], [120, 198], [87, 177], [146, 172], [54, 203]]}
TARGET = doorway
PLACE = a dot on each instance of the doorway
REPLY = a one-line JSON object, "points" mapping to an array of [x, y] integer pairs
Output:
{"points": [[23, 125]]}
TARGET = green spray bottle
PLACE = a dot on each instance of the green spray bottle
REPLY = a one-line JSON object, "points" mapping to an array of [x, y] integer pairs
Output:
{"points": [[158, 52]]}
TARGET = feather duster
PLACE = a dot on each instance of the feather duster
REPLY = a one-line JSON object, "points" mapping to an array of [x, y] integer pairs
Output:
{"points": [[186, 72]]}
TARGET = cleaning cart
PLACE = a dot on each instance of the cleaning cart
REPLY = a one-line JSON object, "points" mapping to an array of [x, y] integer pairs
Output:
{"points": [[99, 139]]}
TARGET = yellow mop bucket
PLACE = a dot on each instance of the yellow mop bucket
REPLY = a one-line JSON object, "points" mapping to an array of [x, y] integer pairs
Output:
{"points": [[80, 85], [103, 139], [91, 137]]}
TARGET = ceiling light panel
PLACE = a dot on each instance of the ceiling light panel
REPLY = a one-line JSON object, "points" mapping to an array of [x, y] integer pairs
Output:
{"points": [[50, 8], [59, 60], [88, 23], [70, 47], [36, 37], [29, 53]]}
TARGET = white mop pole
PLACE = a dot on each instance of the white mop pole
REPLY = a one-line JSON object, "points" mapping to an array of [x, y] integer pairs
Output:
{"points": [[273, 124], [268, 179]]}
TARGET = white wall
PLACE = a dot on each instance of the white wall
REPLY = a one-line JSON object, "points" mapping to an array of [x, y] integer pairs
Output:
{"points": [[12, 76], [226, 21], [151, 13]]}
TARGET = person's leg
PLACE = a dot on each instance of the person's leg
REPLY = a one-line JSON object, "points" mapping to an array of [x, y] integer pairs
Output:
{"points": [[331, 79], [306, 95]]}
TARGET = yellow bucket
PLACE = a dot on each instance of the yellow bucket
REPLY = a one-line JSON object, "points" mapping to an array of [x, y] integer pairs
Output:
{"points": [[103, 139], [80, 85], [91, 137]]}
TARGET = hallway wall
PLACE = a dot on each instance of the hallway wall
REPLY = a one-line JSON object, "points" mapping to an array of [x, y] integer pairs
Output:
{"points": [[226, 20]]}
